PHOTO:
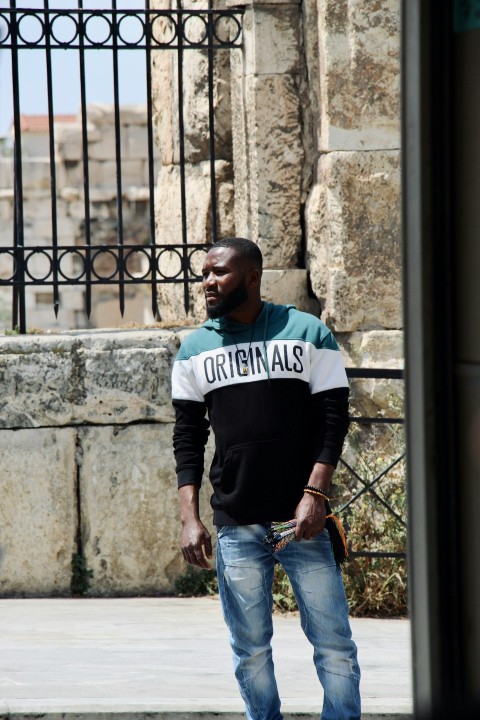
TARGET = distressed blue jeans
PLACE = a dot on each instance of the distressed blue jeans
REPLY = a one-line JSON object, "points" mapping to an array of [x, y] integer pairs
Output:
{"points": [[245, 576]]}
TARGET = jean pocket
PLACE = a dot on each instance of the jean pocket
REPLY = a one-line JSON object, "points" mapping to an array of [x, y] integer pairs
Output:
{"points": [[222, 530]]}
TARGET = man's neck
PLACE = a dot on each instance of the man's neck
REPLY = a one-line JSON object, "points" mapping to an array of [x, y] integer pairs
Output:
{"points": [[246, 314]]}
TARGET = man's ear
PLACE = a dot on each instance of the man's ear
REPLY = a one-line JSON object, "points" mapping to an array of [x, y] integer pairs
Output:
{"points": [[255, 277]]}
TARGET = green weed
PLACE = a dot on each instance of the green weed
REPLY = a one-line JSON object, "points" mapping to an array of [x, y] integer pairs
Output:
{"points": [[196, 583]]}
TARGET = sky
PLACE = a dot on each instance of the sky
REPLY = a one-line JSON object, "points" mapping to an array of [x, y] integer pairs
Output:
{"points": [[65, 65]]}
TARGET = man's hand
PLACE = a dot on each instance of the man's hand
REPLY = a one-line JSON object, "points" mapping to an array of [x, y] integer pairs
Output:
{"points": [[196, 544], [310, 513], [311, 517], [196, 540]]}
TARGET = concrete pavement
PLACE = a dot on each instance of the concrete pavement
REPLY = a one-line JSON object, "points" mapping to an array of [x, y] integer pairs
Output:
{"points": [[168, 658]]}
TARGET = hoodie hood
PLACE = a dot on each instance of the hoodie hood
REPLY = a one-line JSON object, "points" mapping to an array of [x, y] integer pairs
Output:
{"points": [[268, 313]]}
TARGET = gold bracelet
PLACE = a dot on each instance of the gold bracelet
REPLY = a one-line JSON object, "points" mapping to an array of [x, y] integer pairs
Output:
{"points": [[315, 491]]}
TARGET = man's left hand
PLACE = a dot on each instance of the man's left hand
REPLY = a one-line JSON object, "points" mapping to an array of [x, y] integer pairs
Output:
{"points": [[310, 513], [311, 516]]}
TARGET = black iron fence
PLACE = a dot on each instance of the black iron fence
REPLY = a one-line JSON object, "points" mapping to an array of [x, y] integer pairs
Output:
{"points": [[371, 473], [27, 29]]}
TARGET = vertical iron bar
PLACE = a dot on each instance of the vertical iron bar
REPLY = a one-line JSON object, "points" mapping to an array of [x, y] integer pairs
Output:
{"points": [[181, 129], [211, 126], [14, 322], [53, 175], [118, 159], [86, 170], [151, 164], [19, 282]]}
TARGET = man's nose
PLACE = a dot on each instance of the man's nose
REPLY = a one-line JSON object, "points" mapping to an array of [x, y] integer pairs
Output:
{"points": [[209, 280]]}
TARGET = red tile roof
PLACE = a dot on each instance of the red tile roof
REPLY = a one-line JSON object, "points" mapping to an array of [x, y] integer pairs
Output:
{"points": [[39, 123]]}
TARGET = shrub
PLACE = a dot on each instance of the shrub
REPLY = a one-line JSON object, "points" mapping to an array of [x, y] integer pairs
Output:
{"points": [[196, 583]]}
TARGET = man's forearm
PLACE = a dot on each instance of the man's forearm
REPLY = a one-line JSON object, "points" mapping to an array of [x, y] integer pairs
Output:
{"points": [[321, 476], [189, 503]]}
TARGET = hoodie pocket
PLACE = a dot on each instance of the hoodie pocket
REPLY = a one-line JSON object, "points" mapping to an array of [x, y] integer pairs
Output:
{"points": [[251, 474]]}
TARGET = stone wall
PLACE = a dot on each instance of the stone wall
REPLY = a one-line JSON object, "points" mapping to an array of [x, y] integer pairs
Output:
{"points": [[312, 104], [87, 466]]}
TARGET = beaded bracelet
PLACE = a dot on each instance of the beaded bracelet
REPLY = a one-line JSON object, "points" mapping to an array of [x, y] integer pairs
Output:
{"points": [[315, 491]]}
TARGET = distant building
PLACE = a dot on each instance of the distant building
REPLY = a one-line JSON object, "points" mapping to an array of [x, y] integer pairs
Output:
{"points": [[35, 133], [70, 213]]}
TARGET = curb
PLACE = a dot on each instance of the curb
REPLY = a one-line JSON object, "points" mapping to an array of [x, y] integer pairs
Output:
{"points": [[168, 715]]}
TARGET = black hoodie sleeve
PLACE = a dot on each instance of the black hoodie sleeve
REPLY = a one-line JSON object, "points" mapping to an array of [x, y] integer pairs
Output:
{"points": [[190, 434], [329, 411]]}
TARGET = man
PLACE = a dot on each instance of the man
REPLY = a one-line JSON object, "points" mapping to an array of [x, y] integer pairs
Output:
{"points": [[272, 382]]}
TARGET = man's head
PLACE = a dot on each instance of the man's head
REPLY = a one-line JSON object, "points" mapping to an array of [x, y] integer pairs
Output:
{"points": [[231, 279]]}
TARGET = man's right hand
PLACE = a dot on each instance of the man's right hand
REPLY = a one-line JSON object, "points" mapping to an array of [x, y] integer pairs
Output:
{"points": [[196, 544], [196, 540]]}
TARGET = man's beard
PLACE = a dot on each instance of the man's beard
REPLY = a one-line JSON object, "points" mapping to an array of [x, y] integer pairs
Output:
{"points": [[229, 303]]}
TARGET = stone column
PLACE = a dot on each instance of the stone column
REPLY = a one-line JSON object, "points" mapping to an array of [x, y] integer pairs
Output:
{"points": [[196, 153], [271, 147], [353, 210]]}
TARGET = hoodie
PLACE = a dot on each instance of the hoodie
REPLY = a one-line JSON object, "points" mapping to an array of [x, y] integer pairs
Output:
{"points": [[275, 394]]}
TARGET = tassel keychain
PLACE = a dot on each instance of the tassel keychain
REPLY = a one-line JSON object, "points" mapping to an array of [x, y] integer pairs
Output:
{"points": [[279, 535]]}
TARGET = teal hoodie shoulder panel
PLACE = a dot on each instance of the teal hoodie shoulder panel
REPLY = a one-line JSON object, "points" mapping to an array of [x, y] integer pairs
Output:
{"points": [[299, 325], [282, 322], [201, 340]]}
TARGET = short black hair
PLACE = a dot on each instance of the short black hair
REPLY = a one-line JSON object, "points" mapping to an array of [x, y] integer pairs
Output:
{"points": [[243, 247]]}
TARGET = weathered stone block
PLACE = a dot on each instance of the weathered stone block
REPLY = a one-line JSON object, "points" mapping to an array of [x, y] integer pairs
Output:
{"points": [[198, 186], [6, 204], [134, 173], [72, 174], [37, 205], [169, 229], [353, 240], [6, 238], [131, 527], [69, 139], [41, 228], [373, 349], [38, 516], [103, 148], [272, 40], [275, 153], [103, 115], [7, 263], [98, 377], [36, 173], [5, 299], [6, 172], [195, 106], [72, 299], [100, 196], [69, 194], [103, 175], [289, 287], [359, 42], [135, 142]]}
